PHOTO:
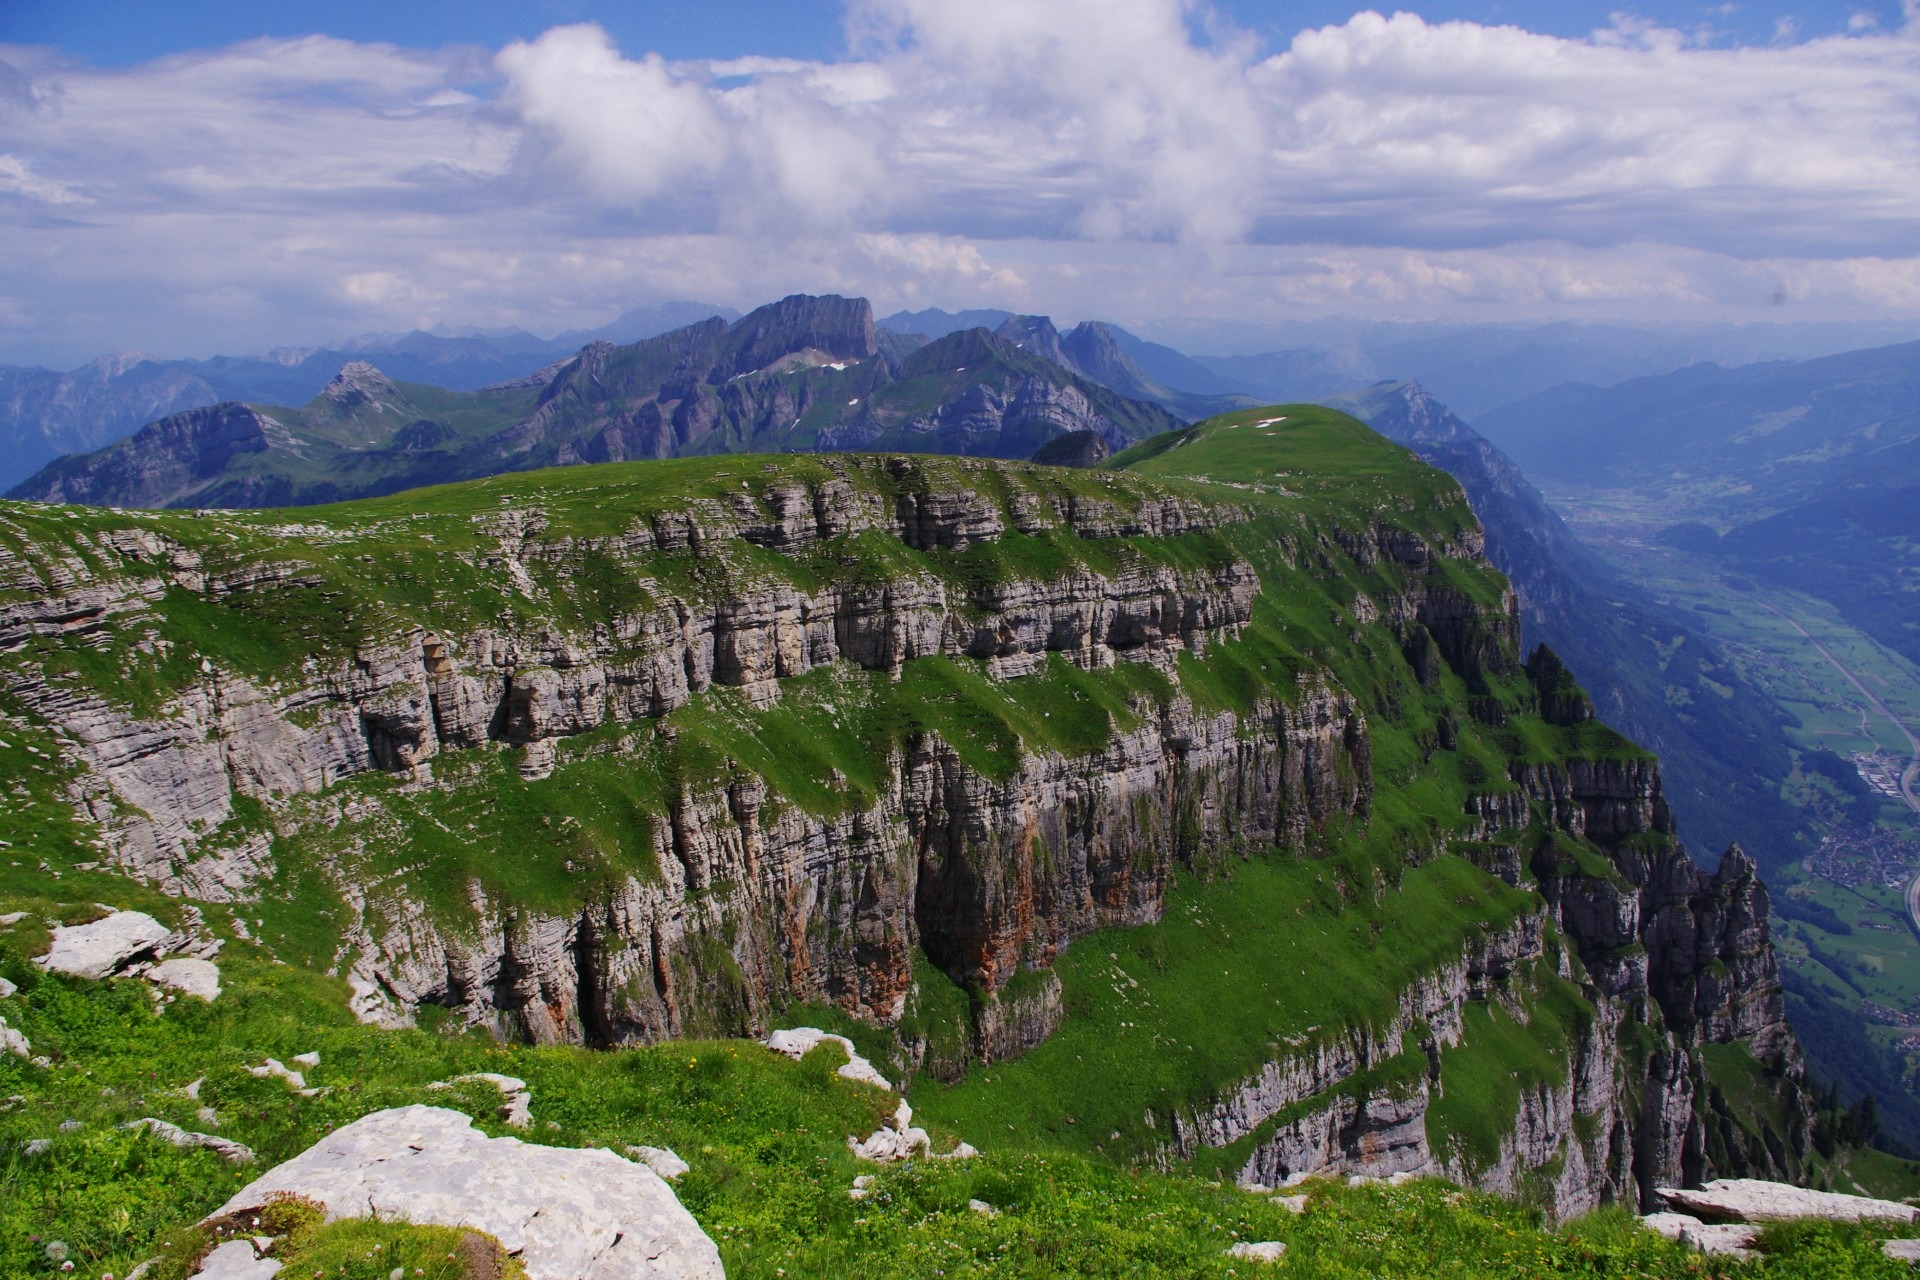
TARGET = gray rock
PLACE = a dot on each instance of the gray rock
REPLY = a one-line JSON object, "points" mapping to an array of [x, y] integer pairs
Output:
{"points": [[798, 1042], [308, 1060], [566, 1213], [38, 1146], [188, 977], [11, 919], [6, 989], [1753, 1200], [236, 1260], [295, 1080], [662, 1160], [1258, 1251], [227, 1149], [1673, 1226], [106, 946], [13, 1042], [1729, 1239], [899, 1139], [982, 1208], [1902, 1250]]}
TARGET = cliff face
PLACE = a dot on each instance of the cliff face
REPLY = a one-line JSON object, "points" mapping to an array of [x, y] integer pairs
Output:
{"points": [[1629, 650], [1063, 690], [164, 457]]}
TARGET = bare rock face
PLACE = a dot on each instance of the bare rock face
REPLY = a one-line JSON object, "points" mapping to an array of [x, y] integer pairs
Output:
{"points": [[105, 946], [564, 1213], [1752, 1200], [988, 874]]}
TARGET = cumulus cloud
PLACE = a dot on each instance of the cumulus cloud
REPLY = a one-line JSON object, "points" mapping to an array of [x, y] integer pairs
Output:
{"points": [[1002, 118], [1080, 155]]}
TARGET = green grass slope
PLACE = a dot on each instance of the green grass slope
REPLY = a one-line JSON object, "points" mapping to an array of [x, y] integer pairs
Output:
{"points": [[1257, 947]]}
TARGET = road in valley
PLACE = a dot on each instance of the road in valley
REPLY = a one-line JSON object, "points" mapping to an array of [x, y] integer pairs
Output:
{"points": [[1908, 777], [1911, 775]]}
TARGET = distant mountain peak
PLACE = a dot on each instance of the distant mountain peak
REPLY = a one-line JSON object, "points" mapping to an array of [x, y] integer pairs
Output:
{"points": [[1038, 335], [359, 383], [837, 329], [105, 368]]}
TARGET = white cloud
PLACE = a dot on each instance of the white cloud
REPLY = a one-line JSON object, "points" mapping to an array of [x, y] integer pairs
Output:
{"points": [[1081, 155], [18, 178]]}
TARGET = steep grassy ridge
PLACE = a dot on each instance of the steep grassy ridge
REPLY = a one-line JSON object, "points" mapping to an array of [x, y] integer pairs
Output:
{"points": [[1195, 817]]}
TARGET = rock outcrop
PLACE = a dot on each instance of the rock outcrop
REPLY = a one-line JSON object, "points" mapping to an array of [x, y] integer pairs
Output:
{"points": [[172, 1134], [1755, 1200], [105, 946], [564, 1213]]}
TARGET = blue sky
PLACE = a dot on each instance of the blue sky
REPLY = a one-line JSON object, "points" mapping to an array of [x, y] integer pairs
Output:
{"points": [[124, 32], [226, 177]]}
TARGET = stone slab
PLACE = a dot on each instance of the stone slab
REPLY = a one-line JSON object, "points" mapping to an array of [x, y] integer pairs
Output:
{"points": [[567, 1214], [1754, 1200], [104, 947]]}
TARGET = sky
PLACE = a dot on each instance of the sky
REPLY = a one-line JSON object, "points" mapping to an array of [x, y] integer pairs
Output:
{"points": [[185, 179]]}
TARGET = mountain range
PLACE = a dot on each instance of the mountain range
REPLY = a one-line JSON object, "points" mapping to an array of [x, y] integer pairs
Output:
{"points": [[44, 413], [801, 374], [1804, 474]]}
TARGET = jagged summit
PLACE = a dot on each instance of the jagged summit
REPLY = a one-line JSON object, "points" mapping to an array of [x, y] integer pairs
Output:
{"points": [[836, 329], [360, 385]]}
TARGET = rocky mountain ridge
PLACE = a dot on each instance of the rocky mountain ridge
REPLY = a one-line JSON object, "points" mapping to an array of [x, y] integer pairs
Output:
{"points": [[880, 733], [46, 413], [801, 374], [1652, 673]]}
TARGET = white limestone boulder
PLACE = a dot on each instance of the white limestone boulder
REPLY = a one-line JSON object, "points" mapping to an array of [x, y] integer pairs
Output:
{"points": [[1258, 1250], [516, 1100], [798, 1042], [1907, 1251], [190, 977], [898, 1139], [1754, 1200], [567, 1214], [106, 946], [1729, 1239], [227, 1149], [664, 1161], [1674, 1226], [13, 1042], [236, 1260]]}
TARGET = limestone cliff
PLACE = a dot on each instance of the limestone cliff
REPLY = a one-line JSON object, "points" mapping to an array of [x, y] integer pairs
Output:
{"points": [[747, 733]]}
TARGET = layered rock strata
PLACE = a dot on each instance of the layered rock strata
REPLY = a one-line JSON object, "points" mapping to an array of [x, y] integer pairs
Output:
{"points": [[758, 902]]}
